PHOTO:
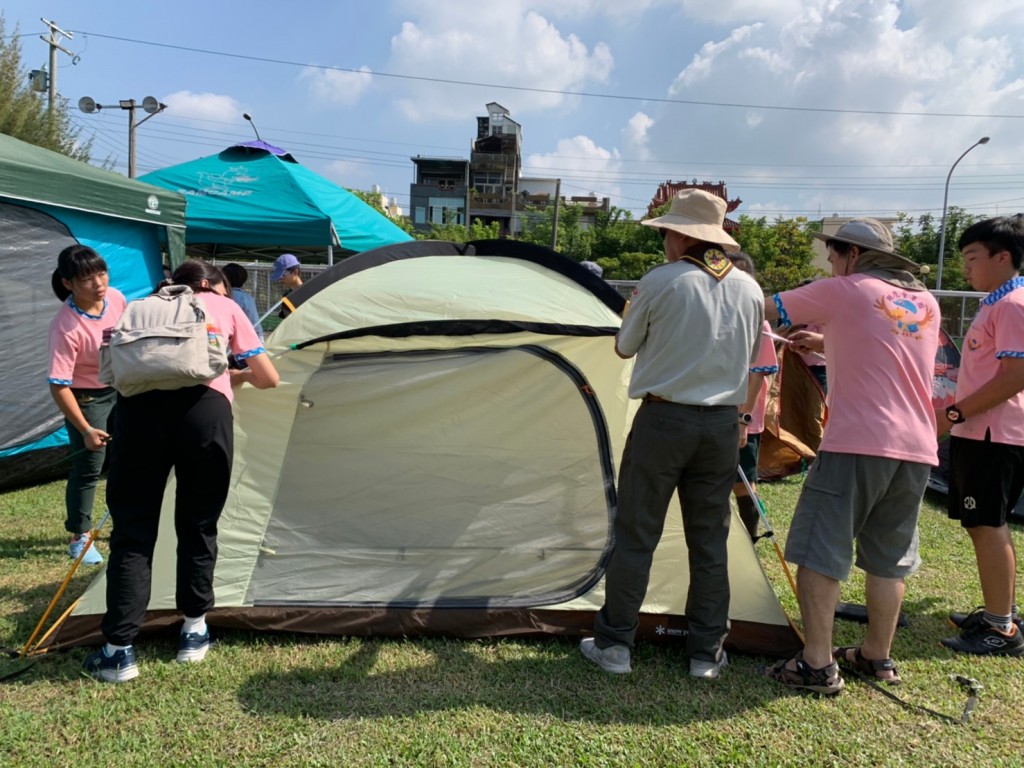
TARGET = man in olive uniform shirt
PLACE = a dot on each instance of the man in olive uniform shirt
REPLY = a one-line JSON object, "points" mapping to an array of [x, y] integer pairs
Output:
{"points": [[694, 325]]}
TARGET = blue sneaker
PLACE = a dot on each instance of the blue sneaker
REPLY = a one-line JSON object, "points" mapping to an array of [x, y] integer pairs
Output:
{"points": [[92, 555], [119, 668], [192, 646]]}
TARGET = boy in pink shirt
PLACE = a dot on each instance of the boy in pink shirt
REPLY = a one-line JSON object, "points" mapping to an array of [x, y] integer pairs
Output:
{"points": [[881, 332], [987, 445]]}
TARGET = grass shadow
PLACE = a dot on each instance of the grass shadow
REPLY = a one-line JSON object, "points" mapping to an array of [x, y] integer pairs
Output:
{"points": [[462, 675]]}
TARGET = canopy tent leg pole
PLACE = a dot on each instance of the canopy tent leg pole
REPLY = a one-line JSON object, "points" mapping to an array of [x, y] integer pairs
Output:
{"points": [[330, 255]]}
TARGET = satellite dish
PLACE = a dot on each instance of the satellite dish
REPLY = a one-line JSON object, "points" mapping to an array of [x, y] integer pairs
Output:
{"points": [[88, 105], [150, 105]]}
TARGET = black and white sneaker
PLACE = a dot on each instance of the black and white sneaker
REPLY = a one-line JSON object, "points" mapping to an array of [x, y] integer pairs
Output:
{"points": [[119, 668], [982, 639], [965, 620]]}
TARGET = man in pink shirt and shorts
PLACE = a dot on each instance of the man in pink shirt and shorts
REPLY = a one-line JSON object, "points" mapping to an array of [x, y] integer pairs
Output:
{"points": [[863, 492]]}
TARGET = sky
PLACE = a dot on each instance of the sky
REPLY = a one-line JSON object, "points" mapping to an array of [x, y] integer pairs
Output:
{"points": [[802, 107]]}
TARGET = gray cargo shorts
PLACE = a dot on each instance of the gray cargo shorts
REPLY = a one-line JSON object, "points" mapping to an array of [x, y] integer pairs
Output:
{"points": [[868, 500]]}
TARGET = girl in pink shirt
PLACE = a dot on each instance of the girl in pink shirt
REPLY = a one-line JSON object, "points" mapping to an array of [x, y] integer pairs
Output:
{"points": [[90, 307], [189, 430]]}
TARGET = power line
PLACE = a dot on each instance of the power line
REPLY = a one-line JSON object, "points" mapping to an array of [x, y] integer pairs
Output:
{"points": [[551, 91]]}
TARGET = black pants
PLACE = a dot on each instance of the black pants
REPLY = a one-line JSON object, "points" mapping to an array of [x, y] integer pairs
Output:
{"points": [[691, 451], [189, 430]]}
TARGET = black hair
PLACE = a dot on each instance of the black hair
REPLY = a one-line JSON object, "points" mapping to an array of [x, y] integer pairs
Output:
{"points": [[236, 274], [1003, 233], [59, 289], [843, 249], [79, 261], [742, 261], [193, 272]]}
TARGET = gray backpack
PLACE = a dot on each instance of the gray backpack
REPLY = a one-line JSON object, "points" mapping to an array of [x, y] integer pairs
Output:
{"points": [[162, 342]]}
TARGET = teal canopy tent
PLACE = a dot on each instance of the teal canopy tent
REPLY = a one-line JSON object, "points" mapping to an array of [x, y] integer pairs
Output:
{"points": [[257, 199]]}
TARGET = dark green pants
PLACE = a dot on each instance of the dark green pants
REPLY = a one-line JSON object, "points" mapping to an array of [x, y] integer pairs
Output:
{"points": [[689, 450], [80, 494]]}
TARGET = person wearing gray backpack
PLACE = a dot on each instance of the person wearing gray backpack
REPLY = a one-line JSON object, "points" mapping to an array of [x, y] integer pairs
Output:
{"points": [[188, 429]]}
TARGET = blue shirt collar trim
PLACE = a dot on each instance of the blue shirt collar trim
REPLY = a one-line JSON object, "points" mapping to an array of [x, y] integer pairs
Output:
{"points": [[71, 303], [1010, 285]]}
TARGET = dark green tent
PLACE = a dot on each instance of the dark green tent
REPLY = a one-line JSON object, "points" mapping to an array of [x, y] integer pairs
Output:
{"points": [[32, 174], [47, 202]]}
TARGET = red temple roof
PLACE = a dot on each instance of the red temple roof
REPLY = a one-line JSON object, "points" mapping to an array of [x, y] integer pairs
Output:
{"points": [[668, 189]]}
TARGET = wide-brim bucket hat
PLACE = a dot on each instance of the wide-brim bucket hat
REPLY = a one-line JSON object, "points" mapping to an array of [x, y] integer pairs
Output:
{"points": [[697, 214], [871, 235]]}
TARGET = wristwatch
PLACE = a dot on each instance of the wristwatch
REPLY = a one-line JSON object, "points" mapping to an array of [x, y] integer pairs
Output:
{"points": [[746, 419], [954, 415]]}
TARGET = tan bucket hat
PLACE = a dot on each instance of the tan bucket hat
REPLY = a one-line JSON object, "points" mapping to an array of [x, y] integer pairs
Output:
{"points": [[698, 214], [872, 235]]}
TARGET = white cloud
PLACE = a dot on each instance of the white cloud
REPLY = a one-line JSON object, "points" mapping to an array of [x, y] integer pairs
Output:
{"points": [[346, 174], [729, 11], [585, 167], [202, 106], [634, 136], [334, 87], [703, 63], [507, 45], [849, 55]]}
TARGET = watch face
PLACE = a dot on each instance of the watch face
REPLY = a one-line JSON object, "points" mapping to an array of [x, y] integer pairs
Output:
{"points": [[954, 415]]}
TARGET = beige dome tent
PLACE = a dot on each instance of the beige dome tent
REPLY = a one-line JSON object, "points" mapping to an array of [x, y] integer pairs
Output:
{"points": [[439, 459]]}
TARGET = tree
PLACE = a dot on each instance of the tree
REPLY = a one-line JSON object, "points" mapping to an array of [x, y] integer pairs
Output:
{"points": [[459, 233], [373, 199], [624, 249], [574, 240], [25, 115], [918, 240], [782, 251]]}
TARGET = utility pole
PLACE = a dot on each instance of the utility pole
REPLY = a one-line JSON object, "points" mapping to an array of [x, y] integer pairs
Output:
{"points": [[54, 42], [554, 218]]}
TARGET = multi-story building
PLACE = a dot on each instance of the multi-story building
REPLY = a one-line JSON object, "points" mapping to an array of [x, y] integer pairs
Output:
{"points": [[449, 190], [489, 186]]}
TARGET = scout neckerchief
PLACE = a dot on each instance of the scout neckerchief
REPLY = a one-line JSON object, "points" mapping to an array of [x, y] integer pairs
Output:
{"points": [[711, 259]]}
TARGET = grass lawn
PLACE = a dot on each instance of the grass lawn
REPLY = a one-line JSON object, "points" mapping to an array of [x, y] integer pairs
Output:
{"points": [[282, 700]]}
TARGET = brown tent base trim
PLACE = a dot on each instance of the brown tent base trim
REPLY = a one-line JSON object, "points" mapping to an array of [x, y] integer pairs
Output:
{"points": [[744, 637]]}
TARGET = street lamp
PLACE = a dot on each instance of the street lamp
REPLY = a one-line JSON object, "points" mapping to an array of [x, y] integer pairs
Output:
{"points": [[149, 104], [945, 199]]}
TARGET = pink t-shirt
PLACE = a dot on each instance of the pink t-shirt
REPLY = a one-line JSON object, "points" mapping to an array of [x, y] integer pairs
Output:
{"points": [[75, 339], [880, 345], [227, 320], [997, 331], [767, 362]]}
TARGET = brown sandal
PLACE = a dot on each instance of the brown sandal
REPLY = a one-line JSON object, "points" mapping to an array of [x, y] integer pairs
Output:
{"points": [[825, 681], [872, 668]]}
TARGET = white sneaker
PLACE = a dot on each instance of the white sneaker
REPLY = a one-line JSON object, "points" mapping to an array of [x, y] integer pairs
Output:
{"points": [[92, 555], [614, 658], [707, 670]]}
